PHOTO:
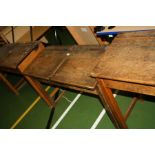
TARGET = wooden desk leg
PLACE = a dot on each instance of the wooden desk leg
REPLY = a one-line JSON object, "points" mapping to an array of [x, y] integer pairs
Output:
{"points": [[110, 105], [37, 86], [10, 86]]}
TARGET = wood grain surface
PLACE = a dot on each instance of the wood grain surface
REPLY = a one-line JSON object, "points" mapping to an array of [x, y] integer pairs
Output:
{"points": [[11, 55], [70, 65], [130, 59]]}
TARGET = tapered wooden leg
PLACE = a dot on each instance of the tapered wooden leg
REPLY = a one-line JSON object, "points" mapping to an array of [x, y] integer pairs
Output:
{"points": [[36, 85], [110, 105], [56, 99], [20, 84], [131, 106], [10, 86], [54, 94]]}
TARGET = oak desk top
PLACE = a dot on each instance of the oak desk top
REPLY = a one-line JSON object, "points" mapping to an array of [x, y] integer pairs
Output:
{"points": [[11, 55], [68, 65], [130, 58]]}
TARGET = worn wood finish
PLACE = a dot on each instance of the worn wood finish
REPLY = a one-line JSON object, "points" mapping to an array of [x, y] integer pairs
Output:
{"points": [[34, 83], [69, 65], [131, 87], [32, 56], [110, 105], [16, 58], [130, 60], [21, 35], [46, 62], [11, 55], [76, 68], [128, 65]]}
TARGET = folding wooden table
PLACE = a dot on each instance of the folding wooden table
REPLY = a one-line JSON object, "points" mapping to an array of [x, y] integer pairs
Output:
{"points": [[123, 66], [129, 65], [17, 55], [67, 67]]}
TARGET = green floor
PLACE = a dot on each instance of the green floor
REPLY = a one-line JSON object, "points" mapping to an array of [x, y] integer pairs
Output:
{"points": [[82, 115]]}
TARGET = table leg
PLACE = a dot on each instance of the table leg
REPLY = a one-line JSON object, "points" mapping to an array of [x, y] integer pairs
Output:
{"points": [[56, 99], [10, 86], [110, 105], [37, 86]]}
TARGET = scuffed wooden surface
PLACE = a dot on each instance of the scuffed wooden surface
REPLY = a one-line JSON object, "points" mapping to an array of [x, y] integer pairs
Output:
{"points": [[11, 55], [142, 33], [46, 63], [130, 59], [70, 65]]}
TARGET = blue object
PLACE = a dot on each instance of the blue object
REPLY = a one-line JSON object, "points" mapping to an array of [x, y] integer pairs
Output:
{"points": [[102, 33]]}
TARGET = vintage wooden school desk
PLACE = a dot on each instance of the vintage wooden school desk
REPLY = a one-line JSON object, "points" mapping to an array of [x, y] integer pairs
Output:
{"points": [[66, 67], [14, 55], [129, 65]]}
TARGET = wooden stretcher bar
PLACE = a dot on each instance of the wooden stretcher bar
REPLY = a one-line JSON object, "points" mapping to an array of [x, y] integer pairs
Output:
{"points": [[9, 85]]}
